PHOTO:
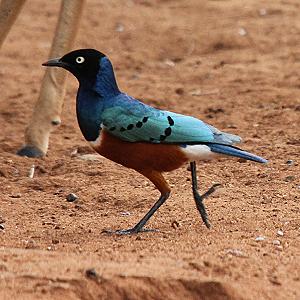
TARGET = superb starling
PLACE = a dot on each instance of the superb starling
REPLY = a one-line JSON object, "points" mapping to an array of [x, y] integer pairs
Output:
{"points": [[138, 136]]}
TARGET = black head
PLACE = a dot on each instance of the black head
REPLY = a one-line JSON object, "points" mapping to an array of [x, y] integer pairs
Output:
{"points": [[84, 64]]}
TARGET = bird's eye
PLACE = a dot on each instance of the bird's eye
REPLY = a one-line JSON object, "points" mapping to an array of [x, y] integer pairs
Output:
{"points": [[79, 59]]}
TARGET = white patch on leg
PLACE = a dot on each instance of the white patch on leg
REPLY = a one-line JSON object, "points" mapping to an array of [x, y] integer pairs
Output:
{"points": [[198, 152]]}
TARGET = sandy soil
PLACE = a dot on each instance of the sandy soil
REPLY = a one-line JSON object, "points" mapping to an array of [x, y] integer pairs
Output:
{"points": [[233, 65]]}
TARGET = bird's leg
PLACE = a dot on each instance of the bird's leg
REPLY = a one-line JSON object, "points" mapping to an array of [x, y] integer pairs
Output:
{"points": [[199, 198], [139, 226], [162, 185]]}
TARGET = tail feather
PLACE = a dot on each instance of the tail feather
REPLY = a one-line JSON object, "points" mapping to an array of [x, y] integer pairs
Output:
{"points": [[234, 151]]}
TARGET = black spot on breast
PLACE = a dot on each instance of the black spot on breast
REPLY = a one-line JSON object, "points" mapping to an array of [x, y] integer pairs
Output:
{"points": [[122, 129], [162, 137], [130, 126], [104, 124], [171, 121], [139, 124], [145, 119], [168, 131], [112, 128]]}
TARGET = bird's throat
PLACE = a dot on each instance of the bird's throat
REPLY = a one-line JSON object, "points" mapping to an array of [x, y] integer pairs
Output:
{"points": [[89, 107]]}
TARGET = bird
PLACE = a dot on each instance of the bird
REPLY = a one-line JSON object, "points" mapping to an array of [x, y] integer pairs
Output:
{"points": [[141, 137]]}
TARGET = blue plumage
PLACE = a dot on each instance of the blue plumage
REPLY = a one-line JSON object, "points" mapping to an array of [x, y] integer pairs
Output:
{"points": [[133, 121], [233, 151], [130, 120], [89, 108], [105, 84]]}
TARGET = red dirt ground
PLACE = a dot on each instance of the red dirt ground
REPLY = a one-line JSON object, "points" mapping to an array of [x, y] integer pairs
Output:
{"points": [[232, 64]]}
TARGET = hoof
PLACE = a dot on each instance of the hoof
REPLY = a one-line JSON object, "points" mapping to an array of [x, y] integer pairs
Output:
{"points": [[30, 151]]}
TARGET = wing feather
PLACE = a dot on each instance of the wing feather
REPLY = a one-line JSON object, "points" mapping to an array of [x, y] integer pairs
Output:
{"points": [[137, 122]]}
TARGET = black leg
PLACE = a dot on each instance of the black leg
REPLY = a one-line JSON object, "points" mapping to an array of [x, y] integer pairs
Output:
{"points": [[139, 226], [199, 198]]}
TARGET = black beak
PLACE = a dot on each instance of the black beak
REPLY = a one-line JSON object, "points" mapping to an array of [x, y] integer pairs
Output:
{"points": [[55, 62]]}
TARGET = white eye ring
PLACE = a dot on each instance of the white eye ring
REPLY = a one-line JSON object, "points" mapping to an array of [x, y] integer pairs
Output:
{"points": [[79, 59]]}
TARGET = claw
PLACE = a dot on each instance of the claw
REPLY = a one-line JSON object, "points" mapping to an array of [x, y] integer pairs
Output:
{"points": [[203, 213], [211, 190]]}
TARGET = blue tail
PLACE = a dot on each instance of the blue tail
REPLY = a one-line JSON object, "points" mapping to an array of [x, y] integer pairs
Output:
{"points": [[233, 151]]}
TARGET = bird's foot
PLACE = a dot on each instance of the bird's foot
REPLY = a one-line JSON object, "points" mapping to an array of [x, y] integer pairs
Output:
{"points": [[30, 151], [129, 231], [200, 205], [202, 210], [211, 190]]}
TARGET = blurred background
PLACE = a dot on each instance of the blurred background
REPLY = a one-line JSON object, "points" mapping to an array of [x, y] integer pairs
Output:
{"points": [[234, 64]]}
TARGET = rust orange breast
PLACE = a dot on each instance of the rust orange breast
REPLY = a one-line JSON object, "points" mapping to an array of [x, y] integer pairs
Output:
{"points": [[140, 156]]}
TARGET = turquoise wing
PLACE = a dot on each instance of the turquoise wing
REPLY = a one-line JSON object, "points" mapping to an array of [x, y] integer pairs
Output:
{"points": [[142, 123]]}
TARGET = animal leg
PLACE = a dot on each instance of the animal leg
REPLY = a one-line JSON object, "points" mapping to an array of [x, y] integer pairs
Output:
{"points": [[9, 11], [47, 110], [159, 181], [199, 198]]}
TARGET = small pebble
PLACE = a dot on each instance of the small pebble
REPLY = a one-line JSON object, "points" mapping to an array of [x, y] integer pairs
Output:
{"points": [[169, 63], [179, 91], [30, 244], [289, 162], [274, 280], [280, 232], [2, 227], [74, 152], [17, 195], [231, 126], [31, 171], [120, 27], [71, 197], [175, 224], [262, 11], [279, 248], [289, 178], [260, 238], [196, 92], [54, 241], [242, 160], [276, 242], [242, 31], [235, 252], [91, 273], [55, 122], [125, 213]]}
